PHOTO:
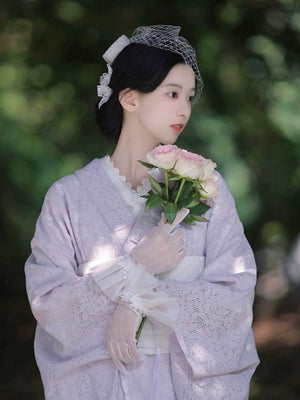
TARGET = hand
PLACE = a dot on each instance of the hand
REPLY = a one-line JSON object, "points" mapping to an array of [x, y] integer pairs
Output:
{"points": [[120, 336], [160, 250]]}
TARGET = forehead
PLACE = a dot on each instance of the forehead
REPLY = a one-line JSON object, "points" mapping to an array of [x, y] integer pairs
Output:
{"points": [[181, 74]]}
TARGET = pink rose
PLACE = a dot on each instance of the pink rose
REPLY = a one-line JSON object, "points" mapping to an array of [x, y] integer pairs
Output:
{"points": [[163, 156], [189, 165], [210, 188]]}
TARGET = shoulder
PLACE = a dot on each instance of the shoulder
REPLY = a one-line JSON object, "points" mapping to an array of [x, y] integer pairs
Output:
{"points": [[222, 186], [68, 187], [224, 202]]}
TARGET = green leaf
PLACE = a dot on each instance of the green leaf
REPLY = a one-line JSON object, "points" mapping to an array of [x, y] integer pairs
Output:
{"points": [[147, 164], [174, 190], [155, 186], [186, 190], [188, 202], [175, 178], [189, 220], [164, 192], [200, 209], [170, 211], [199, 218], [153, 201], [164, 170], [189, 180], [145, 196]]}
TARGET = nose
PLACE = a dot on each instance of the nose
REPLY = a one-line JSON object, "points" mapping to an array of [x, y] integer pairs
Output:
{"points": [[184, 108]]}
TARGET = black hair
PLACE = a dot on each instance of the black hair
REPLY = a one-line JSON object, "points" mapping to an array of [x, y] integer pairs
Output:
{"points": [[138, 67]]}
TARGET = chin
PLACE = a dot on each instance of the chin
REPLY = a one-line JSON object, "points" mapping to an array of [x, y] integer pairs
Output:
{"points": [[168, 140]]}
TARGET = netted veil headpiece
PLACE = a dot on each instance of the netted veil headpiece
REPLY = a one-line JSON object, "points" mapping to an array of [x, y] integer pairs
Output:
{"points": [[165, 37]]}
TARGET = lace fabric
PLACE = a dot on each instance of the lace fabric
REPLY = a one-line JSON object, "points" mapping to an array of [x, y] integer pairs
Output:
{"points": [[131, 196]]}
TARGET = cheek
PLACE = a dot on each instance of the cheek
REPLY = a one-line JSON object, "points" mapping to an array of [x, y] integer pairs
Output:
{"points": [[165, 107], [149, 117], [157, 111]]}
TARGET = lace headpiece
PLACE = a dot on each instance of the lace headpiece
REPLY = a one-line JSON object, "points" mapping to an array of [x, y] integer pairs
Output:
{"points": [[165, 37]]}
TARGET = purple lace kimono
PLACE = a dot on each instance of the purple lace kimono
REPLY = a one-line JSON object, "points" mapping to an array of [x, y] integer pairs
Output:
{"points": [[94, 216]]}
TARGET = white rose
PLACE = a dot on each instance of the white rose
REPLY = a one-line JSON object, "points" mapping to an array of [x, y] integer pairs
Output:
{"points": [[188, 165], [163, 156], [210, 188], [207, 169]]}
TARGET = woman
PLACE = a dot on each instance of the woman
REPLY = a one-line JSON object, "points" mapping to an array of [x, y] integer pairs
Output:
{"points": [[99, 261]]}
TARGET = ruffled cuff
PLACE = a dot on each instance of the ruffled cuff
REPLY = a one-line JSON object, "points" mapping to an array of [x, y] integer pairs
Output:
{"points": [[112, 280], [140, 293], [132, 284]]}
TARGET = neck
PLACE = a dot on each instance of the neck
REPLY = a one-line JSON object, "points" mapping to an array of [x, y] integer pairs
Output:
{"points": [[131, 147]]}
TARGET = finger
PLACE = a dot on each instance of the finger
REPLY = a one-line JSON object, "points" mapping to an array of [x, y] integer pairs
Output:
{"points": [[163, 220], [178, 234], [127, 357], [117, 362], [181, 214], [179, 244], [119, 351], [119, 365], [180, 255], [133, 350]]}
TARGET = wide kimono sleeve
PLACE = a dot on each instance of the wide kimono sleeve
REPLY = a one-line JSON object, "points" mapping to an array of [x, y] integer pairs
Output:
{"points": [[71, 308], [214, 323], [67, 308]]}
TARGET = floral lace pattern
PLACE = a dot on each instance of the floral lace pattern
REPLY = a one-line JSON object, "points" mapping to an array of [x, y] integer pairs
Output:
{"points": [[131, 196]]}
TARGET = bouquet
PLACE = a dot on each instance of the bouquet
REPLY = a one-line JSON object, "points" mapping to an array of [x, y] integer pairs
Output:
{"points": [[189, 180]]}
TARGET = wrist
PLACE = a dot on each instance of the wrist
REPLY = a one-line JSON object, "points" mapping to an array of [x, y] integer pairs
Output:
{"points": [[131, 300], [135, 258]]}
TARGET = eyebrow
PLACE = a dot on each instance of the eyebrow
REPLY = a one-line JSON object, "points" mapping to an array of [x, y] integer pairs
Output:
{"points": [[178, 86]]}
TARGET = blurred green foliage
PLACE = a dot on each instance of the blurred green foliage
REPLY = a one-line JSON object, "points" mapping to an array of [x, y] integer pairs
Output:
{"points": [[248, 118]]}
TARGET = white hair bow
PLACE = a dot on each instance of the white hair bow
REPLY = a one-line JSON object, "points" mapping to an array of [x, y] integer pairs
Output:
{"points": [[109, 56], [103, 89]]}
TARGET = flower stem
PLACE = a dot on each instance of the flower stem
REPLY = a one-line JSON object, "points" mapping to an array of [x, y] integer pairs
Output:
{"points": [[139, 331], [167, 185], [180, 189]]}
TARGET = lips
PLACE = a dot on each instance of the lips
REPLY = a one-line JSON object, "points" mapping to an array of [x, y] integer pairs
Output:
{"points": [[177, 127]]}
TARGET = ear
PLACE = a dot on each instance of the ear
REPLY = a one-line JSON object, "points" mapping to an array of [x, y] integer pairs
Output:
{"points": [[128, 99]]}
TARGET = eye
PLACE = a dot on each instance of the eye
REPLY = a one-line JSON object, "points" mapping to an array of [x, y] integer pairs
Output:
{"points": [[173, 93], [191, 98]]}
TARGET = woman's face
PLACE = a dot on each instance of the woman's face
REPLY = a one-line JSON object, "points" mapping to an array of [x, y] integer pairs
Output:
{"points": [[164, 112]]}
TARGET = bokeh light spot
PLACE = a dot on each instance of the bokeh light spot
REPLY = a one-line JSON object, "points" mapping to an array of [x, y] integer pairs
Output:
{"points": [[40, 75], [69, 11]]}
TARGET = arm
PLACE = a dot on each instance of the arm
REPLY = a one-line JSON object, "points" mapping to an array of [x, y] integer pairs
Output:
{"points": [[74, 310], [214, 324], [67, 307]]}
